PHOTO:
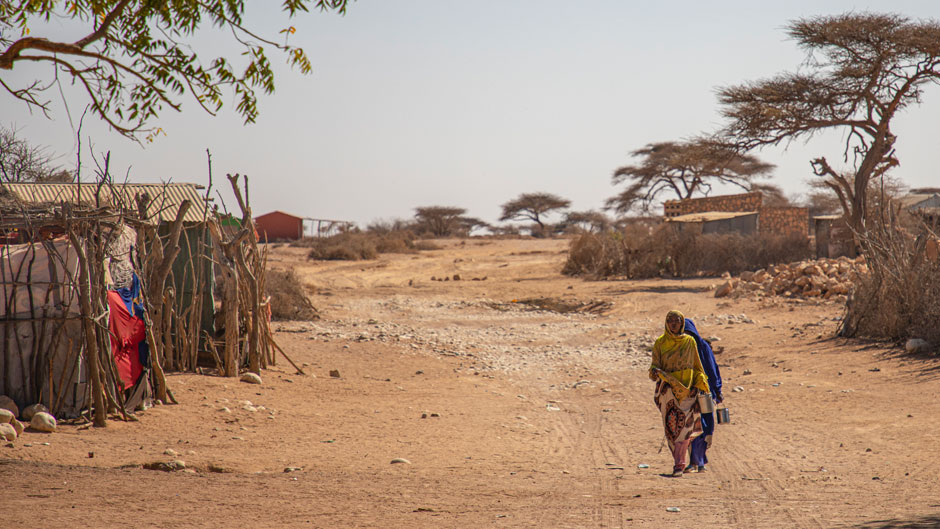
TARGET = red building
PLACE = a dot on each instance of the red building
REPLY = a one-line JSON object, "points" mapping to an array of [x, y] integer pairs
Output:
{"points": [[279, 226]]}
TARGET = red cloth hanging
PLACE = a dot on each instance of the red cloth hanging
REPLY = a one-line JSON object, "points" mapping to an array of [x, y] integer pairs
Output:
{"points": [[127, 331]]}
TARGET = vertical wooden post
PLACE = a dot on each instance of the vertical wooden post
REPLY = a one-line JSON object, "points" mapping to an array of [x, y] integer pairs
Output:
{"points": [[91, 341], [230, 306]]}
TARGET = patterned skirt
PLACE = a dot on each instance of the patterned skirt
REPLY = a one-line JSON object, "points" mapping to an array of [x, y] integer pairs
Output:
{"points": [[682, 420]]}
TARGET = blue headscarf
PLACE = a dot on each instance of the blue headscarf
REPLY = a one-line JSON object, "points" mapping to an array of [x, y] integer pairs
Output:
{"points": [[707, 357]]}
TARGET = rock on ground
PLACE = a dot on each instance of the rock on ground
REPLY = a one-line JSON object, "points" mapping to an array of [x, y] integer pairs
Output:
{"points": [[43, 422], [33, 409], [251, 378], [916, 345], [7, 433], [8, 404]]}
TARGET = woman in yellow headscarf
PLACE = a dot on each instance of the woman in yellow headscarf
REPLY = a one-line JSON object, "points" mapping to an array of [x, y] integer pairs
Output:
{"points": [[679, 376]]}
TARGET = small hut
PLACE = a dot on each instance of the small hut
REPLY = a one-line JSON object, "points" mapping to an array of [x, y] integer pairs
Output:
{"points": [[280, 226], [744, 223], [105, 286]]}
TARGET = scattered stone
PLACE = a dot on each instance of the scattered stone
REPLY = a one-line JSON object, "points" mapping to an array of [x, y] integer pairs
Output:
{"points": [[400, 460], [7, 433], [6, 416], [748, 372], [18, 426], [43, 422], [170, 452], [724, 289], [33, 409], [916, 345], [224, 409], [456, 277], [166, 466], [334, 373], [642, 465], [738, 389], [251, 378], [292, 469], [673, 509], [8, 404]]}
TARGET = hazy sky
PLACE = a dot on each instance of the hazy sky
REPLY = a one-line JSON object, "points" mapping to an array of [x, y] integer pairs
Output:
{"points": [[437, 102]]}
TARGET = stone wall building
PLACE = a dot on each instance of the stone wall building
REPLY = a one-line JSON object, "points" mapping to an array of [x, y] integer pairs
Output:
{"points": [[771, 220]]}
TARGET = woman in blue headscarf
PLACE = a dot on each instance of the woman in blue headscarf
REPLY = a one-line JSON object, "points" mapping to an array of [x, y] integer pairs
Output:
{"points": [[679, 377], [701, 443]]}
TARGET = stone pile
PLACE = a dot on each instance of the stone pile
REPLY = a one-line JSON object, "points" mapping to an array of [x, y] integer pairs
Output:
{"points": [[822, 278], [35, 415]]}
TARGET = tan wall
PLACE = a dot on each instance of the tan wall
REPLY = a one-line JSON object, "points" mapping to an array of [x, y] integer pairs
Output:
{"points": [[781, 221], [784, 221], [742, 202]]}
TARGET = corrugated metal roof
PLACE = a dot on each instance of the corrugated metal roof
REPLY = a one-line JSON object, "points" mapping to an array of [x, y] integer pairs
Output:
{"points": [[710, 215], [916, 199], [165, 199]]}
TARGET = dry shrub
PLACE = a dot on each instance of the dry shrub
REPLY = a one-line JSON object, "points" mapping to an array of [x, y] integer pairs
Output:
{"points": [[342, 247], [425, 246], [355, 246], [899, 297], [288, 301], [641, 252]]}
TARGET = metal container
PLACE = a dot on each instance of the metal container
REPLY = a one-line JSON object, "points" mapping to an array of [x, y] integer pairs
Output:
{"points": [[705, 402], [724, 416]]}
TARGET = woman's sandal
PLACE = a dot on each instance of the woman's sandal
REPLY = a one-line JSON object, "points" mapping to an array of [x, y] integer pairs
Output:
{"points": [[677, 473]]}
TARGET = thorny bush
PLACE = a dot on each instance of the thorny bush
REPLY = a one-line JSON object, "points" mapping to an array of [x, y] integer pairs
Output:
{"points": [[288, 299], [639, 252], [899, 297], [355, 246]]}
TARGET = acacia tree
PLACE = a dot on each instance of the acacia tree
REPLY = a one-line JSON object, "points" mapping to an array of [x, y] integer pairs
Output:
{"points": [[682, 169], [862, 70], [772, 195], [21, 161], [136, 56], [590, 221], [440, 221], [534, 207]]}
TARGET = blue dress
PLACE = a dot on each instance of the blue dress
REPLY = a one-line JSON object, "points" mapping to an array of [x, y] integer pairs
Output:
{"points": [[705, 354]]}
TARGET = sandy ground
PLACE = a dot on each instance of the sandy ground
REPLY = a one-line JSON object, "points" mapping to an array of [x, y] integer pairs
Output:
{"points": [[507, 417]]}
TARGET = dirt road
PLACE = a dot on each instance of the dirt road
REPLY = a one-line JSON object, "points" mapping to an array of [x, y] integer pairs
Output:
{"points": [[506, 417]]}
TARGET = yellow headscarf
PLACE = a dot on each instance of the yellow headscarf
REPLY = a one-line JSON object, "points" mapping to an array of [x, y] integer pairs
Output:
{"points": [[676, 358]]}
